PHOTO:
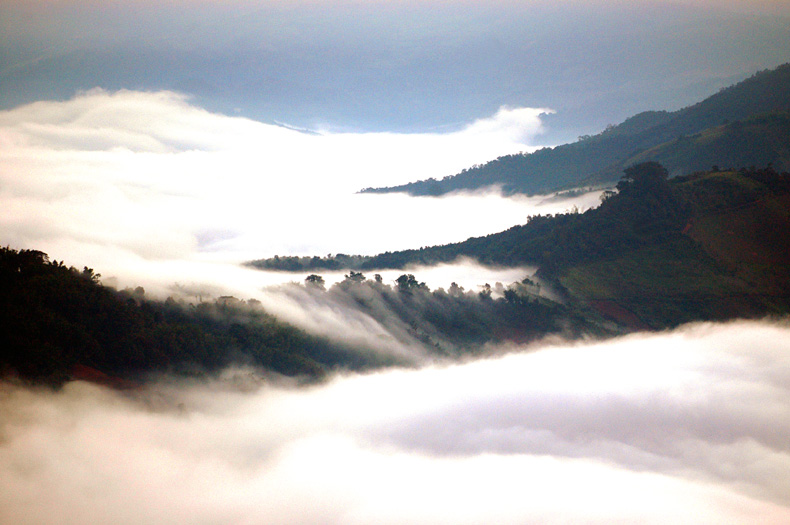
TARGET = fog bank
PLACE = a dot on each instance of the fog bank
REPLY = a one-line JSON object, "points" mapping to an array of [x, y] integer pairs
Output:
{"points": [[664, 428], [113, 180]]}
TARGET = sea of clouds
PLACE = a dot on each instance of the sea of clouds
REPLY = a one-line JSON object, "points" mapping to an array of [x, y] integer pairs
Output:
{"points": [[149, 189], [677, 427], [144, 177]]}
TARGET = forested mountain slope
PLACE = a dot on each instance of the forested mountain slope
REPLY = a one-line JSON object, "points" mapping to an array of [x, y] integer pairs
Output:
{"points": [[660, 251], [601, 158], [58, 322]]}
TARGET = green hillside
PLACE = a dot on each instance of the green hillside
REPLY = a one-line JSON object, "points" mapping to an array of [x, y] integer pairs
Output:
{"points": [[600, 159]]}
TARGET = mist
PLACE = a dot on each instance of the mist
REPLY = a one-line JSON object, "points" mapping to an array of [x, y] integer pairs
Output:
{"points": [[151, 190], [662, 428]]}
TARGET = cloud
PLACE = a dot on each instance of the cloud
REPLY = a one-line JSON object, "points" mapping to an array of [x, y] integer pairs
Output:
{"points": [[514, 124], [650, 429], [151, 190], [122, 179]]}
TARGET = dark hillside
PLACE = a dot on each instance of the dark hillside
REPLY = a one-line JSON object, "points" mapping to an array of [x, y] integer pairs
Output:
{"points": [[58, 322], [761, 140], [720, 251]]}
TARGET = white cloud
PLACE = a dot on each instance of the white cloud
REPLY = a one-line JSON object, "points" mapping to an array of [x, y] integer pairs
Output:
{"points": [[513, 124], [648, 429], [151, 190], [110, 180]]}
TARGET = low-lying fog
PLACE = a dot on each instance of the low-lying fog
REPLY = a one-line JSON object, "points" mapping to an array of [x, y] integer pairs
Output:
{"points": [[148, 176], [150, 190], [678, 427]]}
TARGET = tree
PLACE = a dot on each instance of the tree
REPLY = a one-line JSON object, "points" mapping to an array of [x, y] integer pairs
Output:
{"points": [[643, 176], [455, 290], [606, 195], [89, 274], [354, 277], [407, 283], [315, 281]]}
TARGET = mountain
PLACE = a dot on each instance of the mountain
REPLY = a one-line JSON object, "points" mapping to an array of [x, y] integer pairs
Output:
{"points": [[749, 118], [58, 324], [656, 253]]}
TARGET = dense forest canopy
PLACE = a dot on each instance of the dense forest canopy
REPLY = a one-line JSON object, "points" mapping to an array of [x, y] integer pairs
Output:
{"points": [[59, 323]]}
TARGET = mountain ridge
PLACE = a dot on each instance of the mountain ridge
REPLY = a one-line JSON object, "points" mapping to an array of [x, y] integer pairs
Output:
{"points": [[711, 245], [598, 159]]}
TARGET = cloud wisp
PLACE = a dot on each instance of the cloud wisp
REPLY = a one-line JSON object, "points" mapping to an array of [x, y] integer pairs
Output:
{"points": [[651, 428]]}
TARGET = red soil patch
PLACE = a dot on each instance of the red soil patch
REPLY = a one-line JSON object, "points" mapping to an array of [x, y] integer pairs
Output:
{"points": [[618, 314], [91, 375]]}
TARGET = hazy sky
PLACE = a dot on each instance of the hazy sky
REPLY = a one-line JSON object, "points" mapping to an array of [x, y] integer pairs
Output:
{"points": [[395, 65]]}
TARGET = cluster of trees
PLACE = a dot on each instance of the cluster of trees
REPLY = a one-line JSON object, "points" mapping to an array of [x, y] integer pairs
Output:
{"points": [[455, 321], [56, 320], [292, 263], [53, 318]]}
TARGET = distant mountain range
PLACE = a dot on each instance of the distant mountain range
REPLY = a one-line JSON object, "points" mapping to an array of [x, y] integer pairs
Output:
{"points": [[744, 125]]}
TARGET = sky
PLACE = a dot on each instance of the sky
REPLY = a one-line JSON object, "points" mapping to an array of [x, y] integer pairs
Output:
{"points": [[395, 65], [165, 143]]}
